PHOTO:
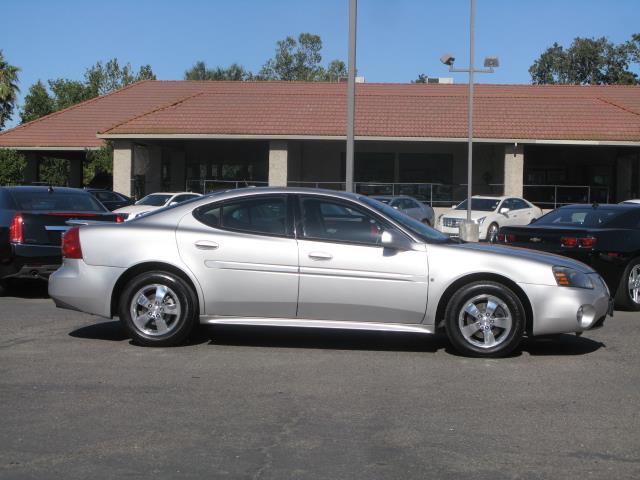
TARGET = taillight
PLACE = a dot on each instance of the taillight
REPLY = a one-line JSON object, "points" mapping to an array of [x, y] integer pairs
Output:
{"points": [[119, 218], [584, 242], [71, 243], [500, 237], [587, 242], [506, 237], [16, 232]]}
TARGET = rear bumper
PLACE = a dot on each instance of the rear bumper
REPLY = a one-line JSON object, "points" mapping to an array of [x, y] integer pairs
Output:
{"points": [[87, 288], [30, 261], [567, 310]]}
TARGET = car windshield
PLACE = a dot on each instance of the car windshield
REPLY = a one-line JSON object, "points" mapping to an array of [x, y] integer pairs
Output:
{"points": [[579, 216], [421, 230], [154, 200], [480, 204], [56, 201]]}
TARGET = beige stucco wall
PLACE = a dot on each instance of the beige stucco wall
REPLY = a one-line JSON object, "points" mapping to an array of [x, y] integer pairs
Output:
{"points": [[122, 166]]}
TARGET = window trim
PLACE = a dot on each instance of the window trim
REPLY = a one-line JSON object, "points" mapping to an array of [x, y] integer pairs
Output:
{"points": [[289, 231], [370, 212]]}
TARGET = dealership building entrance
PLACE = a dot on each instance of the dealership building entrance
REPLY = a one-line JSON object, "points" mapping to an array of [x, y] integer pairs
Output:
{"points": [[551, 144]]}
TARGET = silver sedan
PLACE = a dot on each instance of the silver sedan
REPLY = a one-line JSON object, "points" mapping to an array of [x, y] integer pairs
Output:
{"points": [[323, 259], [410, 206]]}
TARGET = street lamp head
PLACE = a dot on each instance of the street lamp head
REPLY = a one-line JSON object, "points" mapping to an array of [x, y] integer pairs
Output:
{"points": [[491, 62], [448, 59]]}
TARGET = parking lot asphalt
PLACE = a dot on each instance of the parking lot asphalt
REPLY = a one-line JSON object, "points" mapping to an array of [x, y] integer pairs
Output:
{"points": [[78, 400]]}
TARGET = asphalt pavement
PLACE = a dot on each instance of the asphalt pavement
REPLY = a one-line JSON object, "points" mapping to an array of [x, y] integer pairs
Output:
{"points": [[78, 401]]}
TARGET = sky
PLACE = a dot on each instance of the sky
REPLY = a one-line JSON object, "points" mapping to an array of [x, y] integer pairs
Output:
{"points": [[397, 39]]}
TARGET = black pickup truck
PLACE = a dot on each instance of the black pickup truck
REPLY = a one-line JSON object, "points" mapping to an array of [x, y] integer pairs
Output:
{"points": [[32, 221]]}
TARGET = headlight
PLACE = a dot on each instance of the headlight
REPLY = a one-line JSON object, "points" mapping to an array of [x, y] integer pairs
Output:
{"points": [[568, 277], [480, 220]]}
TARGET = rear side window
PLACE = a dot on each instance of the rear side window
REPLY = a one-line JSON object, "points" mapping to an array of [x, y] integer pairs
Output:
{"points": [[56, 201], [263, 215]]}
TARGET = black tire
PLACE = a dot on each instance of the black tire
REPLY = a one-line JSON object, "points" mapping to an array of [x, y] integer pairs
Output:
{"points": [[508, 306], [158, 327], [623, 299], [492, 232]]}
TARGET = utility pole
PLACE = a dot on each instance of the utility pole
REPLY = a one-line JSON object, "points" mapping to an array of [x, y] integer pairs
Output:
{"points": [[351, 95]]}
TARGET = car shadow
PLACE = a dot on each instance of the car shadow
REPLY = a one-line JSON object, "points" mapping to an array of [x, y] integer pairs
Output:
{"points": [[334, 339], [326, 339], [25, 288]]}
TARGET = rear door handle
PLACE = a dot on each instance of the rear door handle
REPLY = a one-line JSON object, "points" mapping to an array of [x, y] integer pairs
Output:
{"points": [[206, 245], [320, 256]]}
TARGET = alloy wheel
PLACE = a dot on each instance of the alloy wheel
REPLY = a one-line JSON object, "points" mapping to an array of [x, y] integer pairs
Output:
{"points": [[485, 321], [155, 310], [633, 284]]}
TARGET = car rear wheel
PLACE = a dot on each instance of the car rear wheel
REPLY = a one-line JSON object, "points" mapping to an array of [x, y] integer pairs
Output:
{"points": [[492, 232], [158, 309], [485, 319], [628, 294]]}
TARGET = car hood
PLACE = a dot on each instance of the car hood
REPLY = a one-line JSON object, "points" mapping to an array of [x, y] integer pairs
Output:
{"points": [[136, 209], [527, 254], [475, 214]]}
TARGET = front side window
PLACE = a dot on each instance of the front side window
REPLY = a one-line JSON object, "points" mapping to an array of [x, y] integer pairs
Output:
{"points": [[266, 215], [330, 220], [519, 204], [579, 216]]}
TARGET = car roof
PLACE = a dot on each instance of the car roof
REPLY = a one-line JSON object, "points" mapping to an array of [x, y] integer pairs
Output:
{"points": [[607, 206], [42, 188], [173, 193], [488, 197]]}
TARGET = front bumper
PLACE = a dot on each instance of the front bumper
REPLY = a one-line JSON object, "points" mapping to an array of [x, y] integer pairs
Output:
{"points": [[568, 309], [87, 288]]}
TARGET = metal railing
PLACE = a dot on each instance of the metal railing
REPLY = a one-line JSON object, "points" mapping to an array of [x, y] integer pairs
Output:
{"points": [[208, 186], [554, 196], [434, 194]]}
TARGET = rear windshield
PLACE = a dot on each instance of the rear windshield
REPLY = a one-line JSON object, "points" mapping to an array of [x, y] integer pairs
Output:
{"points": [[154, 200], [580, 217], [56, 201], [480, 204]]}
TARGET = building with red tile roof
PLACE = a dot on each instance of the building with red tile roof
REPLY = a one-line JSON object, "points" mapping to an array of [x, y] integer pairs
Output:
{"points": [[177, 134]]}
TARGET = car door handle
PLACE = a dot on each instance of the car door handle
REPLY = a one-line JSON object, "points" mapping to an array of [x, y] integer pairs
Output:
{"points": [[206, 245], [320, 256]]}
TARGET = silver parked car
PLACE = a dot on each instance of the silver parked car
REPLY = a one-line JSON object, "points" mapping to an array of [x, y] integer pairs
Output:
{"points": [[409, 205], [314, 258]]}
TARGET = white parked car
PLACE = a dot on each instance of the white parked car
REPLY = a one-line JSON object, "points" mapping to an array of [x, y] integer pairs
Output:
{"points": [[632, 201], [155, 201], [490, 213]]}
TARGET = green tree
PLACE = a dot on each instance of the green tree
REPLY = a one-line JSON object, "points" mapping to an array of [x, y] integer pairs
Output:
{"points": [[8, 89], [295, 60], [37, 103], [98, 164], [12, 165], [588, 61], [199, 71], [335, 71], [103, 78]]}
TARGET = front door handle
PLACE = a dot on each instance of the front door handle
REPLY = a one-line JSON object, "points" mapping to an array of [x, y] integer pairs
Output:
{"points": [[320, 256], [206, 245]]}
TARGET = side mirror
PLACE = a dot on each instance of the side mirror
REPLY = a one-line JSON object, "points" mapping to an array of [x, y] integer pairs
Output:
{"points": [[504, 210], [396, 207], [395, 240], [173, 203]]}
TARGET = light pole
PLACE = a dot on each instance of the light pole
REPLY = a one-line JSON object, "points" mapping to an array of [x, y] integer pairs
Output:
{"points": [[351, 95], [470, 230]]}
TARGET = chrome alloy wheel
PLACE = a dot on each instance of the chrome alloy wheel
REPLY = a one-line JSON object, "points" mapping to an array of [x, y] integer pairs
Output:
{"points": [[633, 284], [492, 233], [155, 309], [485, 321]]}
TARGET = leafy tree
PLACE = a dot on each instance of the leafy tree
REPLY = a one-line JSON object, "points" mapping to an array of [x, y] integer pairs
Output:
{"points": [[104, 78], [37, 103], [335, 71], [68, 92], [98, 164], [12, 165], [8, 89], [199, 71], [588, 61], [295, 60], [422, 78]]}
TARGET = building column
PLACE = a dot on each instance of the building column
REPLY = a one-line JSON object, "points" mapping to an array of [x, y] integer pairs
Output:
{"points": [[76, 172], [122, 166], [31, 171], [513, 170], [278, 152]]}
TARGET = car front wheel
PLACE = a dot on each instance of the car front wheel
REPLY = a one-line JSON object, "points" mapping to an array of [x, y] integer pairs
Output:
{"points": [[628, 294], [158, 309], [492, 232], [485, 319]]}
